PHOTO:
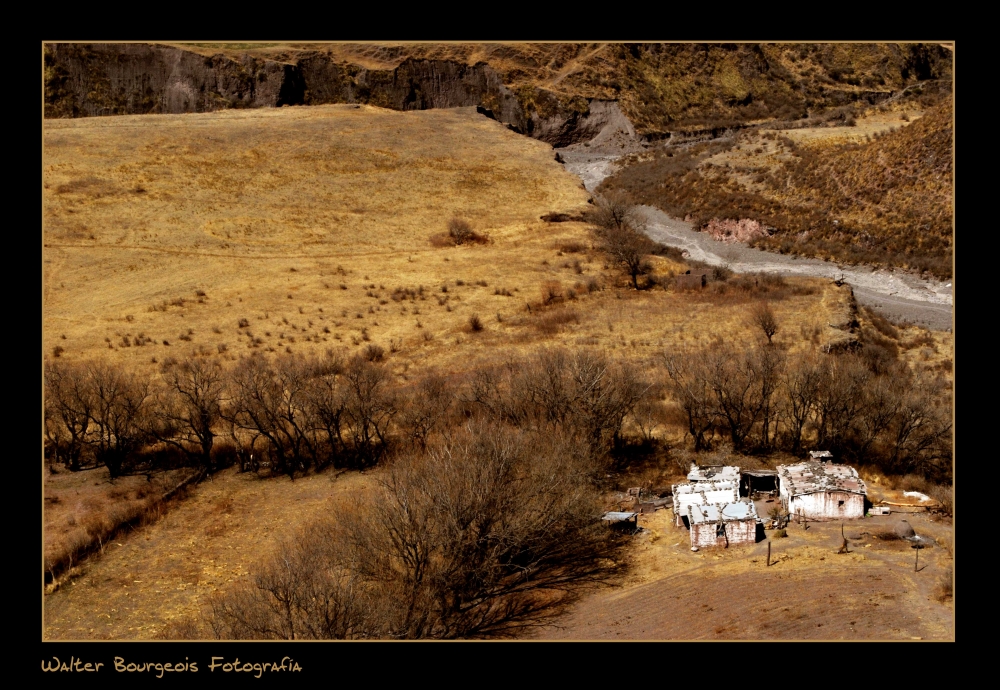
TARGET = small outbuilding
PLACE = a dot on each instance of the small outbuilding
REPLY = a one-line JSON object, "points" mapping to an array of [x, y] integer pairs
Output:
{"points": [[726, 525], [821, 455], [701, 493], [691, 280], [820, 490]]}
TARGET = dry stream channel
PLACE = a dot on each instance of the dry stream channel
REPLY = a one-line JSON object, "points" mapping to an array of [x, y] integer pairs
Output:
{"points": [[896, 294]]}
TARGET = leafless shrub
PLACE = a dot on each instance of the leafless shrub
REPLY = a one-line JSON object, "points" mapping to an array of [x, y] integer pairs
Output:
{"points": [[489, 536], [552, 292], [374, 353], [945, 586], [475, 323]]}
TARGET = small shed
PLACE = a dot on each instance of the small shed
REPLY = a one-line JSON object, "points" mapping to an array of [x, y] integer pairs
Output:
{"points": [[702, 493], [821, 455], [690, 280], [619, 519], [728, 524], [714, 473], [822, 491]]}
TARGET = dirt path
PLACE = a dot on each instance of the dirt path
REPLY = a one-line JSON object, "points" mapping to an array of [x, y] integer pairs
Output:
{"points": [[896, 294], [808, 592]]}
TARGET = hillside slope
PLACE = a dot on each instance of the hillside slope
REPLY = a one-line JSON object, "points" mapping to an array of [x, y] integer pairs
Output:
{"points": [[882, 201], [661, 87]]}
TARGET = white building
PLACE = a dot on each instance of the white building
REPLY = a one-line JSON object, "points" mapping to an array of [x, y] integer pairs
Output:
{"points": [[725, 525], [702, 493], [822, 490]]}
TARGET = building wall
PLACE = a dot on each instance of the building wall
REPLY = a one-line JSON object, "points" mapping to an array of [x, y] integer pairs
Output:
{"points": [[827, 505], [739, 532]]}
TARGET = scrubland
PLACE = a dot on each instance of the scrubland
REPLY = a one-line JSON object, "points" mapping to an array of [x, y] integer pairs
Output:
{"points": [[312, 257]]}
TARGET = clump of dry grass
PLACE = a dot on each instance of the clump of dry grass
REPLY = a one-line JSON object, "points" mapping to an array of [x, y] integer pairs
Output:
{"points": [[945, 586]]}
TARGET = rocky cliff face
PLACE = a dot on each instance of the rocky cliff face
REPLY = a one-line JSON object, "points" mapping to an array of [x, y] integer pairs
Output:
{"points": [[85, 80]]}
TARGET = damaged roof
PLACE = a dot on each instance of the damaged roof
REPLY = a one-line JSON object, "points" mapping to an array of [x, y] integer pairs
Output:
{"points": [[714, 473], [618, 516], [703, 487], [812, 477], [737, 510]]}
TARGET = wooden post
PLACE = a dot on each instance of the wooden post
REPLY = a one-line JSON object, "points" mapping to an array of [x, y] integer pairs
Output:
{"points": [[916, 560], [769, 554]]}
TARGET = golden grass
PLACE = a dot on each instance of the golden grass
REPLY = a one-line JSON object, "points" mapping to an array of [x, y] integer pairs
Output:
{"points": [[167, 572], [304, 222], [314, 225], [80, 504]]}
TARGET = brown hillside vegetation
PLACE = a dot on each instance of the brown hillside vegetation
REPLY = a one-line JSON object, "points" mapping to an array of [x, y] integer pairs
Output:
{"points": [[885, 200], [662, 87]]}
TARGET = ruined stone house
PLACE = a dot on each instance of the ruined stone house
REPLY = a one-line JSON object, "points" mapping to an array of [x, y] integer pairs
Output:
{"points": [[729, 524], [691, 280], [821, 490], [702, 493]]}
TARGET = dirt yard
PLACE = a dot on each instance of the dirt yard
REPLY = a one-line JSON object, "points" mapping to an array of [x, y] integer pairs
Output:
{"points": [[808, 592]]}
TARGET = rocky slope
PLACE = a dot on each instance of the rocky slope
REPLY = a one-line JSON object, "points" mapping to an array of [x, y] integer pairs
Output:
{"points": [[560, 93], [84, 80]]}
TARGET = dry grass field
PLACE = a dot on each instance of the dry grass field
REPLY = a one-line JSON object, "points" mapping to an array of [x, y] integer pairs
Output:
{"points": [[160, 578], [318, 231], [808, 592], [80, 506], [308, 230]]}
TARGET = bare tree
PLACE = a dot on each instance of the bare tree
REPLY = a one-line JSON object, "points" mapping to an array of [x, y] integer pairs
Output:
{"points": [[120, 414], [427, 408], [189, 407], [769, 364], [842, 399], [802, 381], [260, 403], [689, 385], [613, 211], [762, 316], [369, 408], [604, 393], [325, 407], [68, 409], [487, 537], [627, 247]]}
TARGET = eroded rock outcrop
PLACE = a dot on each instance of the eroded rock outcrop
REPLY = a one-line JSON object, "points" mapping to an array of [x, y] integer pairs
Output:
{"points": [[85, 80]]}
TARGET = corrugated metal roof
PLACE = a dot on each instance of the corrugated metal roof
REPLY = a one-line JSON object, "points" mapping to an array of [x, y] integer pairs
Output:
{"points": [[714, 473], [701, 487], [736, 510], [616, 516], [812, 477]]}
